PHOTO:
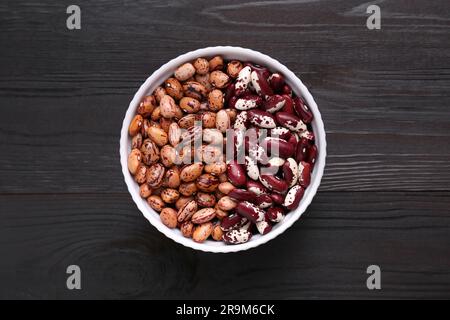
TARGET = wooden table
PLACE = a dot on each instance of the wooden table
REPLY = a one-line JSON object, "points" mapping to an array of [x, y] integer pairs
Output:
{"points": [[384, 198]]}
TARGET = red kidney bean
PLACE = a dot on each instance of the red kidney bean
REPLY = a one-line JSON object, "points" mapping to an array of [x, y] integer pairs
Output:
{"points": [[250, 211], [275, 214], [290, 172], [274, 103], [273, 183], [263, 201], [257, 153], [232, 102], [256, 187], [293, 197], [312, 154], [241, 121], [260, 83], [288, 105], [276, 81], [230, 222], [237, 236], [309, 135], [262, 119], [229, 92], [248, 102], [252, 168], [278, 147], [241, 195], [247, 226], [287, 89], [304, 173], [256, 67], [277, 198], [290, 121], [280, 132], [236, 174], [264, 227], [302, 150], [242, 81], [302, 110]]}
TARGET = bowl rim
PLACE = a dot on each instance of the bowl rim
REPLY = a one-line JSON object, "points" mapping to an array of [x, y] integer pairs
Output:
{"points": [[319, 132]]}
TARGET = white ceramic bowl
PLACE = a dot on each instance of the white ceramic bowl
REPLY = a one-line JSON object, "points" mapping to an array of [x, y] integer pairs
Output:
{"points": [[167, 70]]}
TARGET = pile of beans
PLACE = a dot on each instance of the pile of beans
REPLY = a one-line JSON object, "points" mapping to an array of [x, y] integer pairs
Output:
{"points": [[179, 135]]}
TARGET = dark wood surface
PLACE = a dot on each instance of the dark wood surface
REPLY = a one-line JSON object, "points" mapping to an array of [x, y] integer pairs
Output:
{"points": [[384, 199]]}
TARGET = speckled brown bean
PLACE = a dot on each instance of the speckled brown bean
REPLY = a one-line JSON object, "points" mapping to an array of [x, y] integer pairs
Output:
{"points": [[195, 90], [184, 72], [168, 107], [223, 177], [155, 175], [222, 121], [182, 201], [189, 105], [217, 232], [186, 122], [165, 123], [208, 120], [173, 88], [219, 79], [216, 168], [202, 232], [158, 136], [136, 141], [188, 189], [147, 105], [216, 63], [226, 203], [191, 172], [174, 134], [201, 66], [150, 152], [233, 68], [145, 191], [232, 113], [159, 93], [220, 214], [169, 217], [187, 210], [141, 173], [168, 155], [226, 187], [215, 100], [135, 125], [203, 215], [206, 200], [203, 79], [134, 160], [187, 229], [172, 178], [207, 182], [156, 114], [156, 203], [170, 195]]}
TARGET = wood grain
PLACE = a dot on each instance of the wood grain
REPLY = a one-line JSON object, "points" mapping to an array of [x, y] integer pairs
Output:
{"points": [[325, 254], [384, 198]]}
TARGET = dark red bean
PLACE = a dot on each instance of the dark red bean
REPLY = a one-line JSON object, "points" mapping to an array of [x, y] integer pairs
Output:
{"points": [[278, 147], [302, 110], [241, 195], [273, 183], [312, 154], [276, 81], [263, 201], [256, 187], [290, 121], [230, 222], [302, 150], [277, 198], [275, 214], [262, 119], [274, 103], [236, 174], [304, 173], [260, 83], [250, 211], [293, 197]]}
